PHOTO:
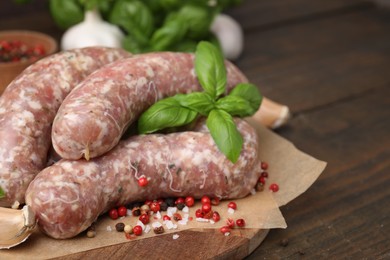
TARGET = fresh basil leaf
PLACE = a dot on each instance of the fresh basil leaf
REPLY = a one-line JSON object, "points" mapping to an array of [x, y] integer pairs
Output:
{"points": [[185, 45], [163, 114], [135, 17], [171, 32], [210, 69], [225, 134], [235, 106], [249, 92], [198, 19], [66, 13], [200, 102], [2, 193]]}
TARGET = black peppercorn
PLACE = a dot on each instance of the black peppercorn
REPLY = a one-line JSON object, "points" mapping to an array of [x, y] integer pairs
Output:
{"points": [[180, 206], [136, 211], [163, 206], [158, 230], [170, 202], [120, 227]]}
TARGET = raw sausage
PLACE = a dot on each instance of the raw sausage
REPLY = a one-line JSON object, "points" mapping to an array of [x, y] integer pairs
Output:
{"points": [[94, 116], [68, 196], [27, 109]]}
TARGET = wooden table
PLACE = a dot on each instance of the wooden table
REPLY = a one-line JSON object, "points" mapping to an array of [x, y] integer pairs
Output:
{"points": [[329, 61]]}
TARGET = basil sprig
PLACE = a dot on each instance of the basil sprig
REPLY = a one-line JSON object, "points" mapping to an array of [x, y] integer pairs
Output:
{"points": [[2, 193], [244, 100]]}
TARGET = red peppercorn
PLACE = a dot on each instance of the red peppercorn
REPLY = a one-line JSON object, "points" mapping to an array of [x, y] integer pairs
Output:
{"points": [[113, 213], [274, 187], [166, 217], [179, 200], [155, 207], [232, 205], [159, 201], [177, 216], [144, 218], [137, 230], [262, 180], [240, 222], [216, 216], [208, 215], [122, 211], [189, 201], [142, 181], [264, 165], [205, 199], [225, 229], [264, 174], [215, 201], [199, 213], [230, 222], [206, 208]]}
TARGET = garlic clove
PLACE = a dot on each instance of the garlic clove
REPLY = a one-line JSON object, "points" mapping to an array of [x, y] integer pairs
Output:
{"points": [[272, 114], [93, 31], [230, 35], [16, 226]]}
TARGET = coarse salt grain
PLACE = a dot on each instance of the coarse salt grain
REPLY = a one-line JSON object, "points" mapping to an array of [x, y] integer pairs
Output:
{"points": [[227, 234], [158, 215], [212, 221], [108, 228], [183, 222], [169, 224], [147, 229], [175, 236], [156, 224], [253, 191], [171, 211], [186, 209], [231, 211]]}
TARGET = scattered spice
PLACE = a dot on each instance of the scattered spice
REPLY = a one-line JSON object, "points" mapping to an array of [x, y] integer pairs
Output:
{"points": [[205, 199], [189, 201], [91, 233], [136, 211], [206, 208], [137, 230], [158, 230], [144, 218], [274, 187], [122, 211], [264, 165], [120, 227], [13, 51], [180, 206], [128, 229], [143, 181], [240, 222], [230, 223], [259, 186], [163, 206], [232, 205], [155, 207], [113, 213], [216, 217]]}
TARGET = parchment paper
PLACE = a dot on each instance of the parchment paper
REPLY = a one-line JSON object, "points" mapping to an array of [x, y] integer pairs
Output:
{"points": [[293, 170]]}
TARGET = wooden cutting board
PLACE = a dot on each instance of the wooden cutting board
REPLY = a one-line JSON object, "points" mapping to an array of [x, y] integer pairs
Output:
{"points": [[197, 244]]}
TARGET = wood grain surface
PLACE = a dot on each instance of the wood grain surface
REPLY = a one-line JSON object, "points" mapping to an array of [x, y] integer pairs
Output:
{"points": [[330, 62]]}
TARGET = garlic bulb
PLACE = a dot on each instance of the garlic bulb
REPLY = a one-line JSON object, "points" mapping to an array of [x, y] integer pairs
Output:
{"points": [[93, 31], [230, 35]]}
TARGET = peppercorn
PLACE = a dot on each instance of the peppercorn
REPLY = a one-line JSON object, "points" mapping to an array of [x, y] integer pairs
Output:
{"points": [[284, 242], [177, 216], [170, 202], [144, 218], [240, 222], [274, 187], [136, 211], [120, 227], [180, 206], [264, 165], [145, 209], [163, 206], [158, 230], [137, 230], [128, 229], [91, 233], [259, 186]]}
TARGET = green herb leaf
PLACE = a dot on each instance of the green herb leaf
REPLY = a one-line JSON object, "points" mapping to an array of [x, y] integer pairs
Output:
{"points": [[135, 17], [250, 93], [210, 69], [171, 32], [66, 13], [235, 106], [198, 20], [225, 134], [2, 193], [200, 102], [165, 113]]}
